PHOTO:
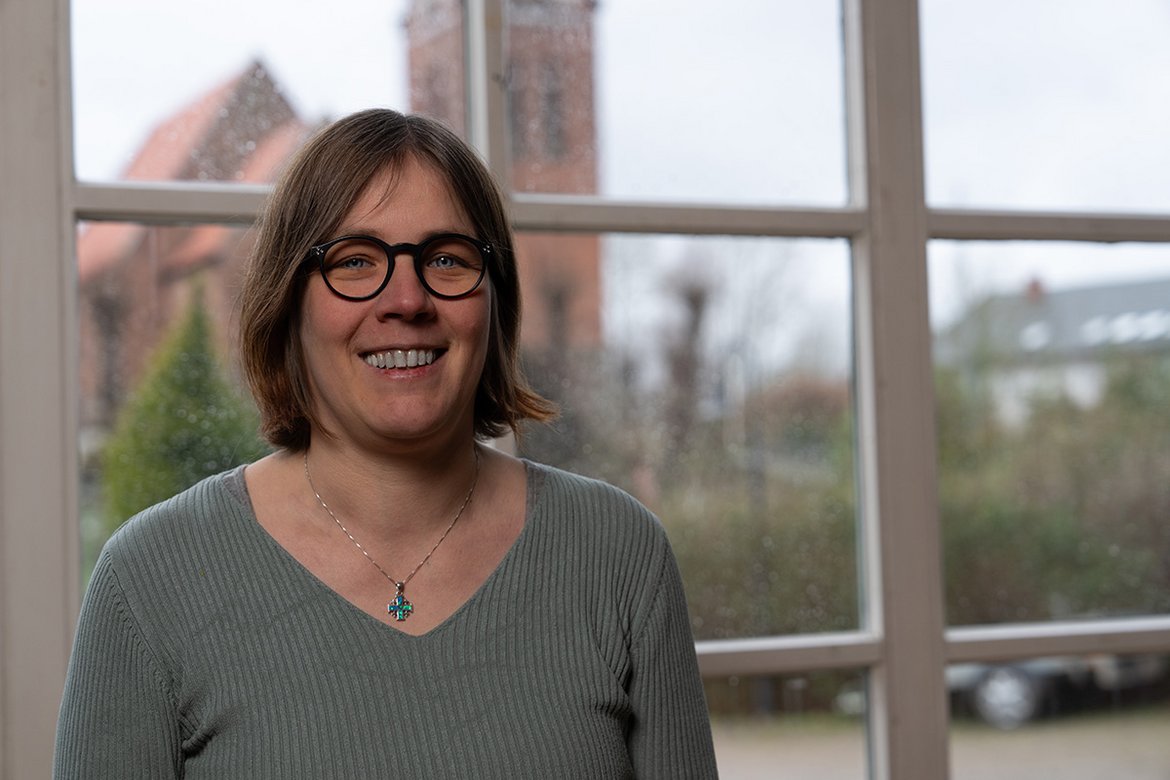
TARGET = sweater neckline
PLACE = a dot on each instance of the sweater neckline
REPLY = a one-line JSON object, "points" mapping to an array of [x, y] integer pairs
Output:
{"points": [[535, 476]]}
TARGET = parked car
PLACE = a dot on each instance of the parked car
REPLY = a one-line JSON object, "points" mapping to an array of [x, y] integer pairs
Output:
{"points": [[1009, 695]]}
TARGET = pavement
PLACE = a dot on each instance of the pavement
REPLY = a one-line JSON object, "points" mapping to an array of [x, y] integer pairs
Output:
{"points": [[1131, 745]]}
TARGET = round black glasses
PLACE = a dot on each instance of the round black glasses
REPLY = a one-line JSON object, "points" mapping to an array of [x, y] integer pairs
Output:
{"points": [[357, 268]]}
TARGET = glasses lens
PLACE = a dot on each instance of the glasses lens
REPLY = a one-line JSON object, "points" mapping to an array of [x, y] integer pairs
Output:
{"points": [[355, 267], [451, 265]]}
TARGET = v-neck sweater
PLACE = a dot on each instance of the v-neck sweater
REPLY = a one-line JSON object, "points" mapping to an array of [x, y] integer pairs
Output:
{"points": [[205, 650]]}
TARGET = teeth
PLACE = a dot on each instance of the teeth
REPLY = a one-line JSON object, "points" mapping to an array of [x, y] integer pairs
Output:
{"points": [[401, 358]]}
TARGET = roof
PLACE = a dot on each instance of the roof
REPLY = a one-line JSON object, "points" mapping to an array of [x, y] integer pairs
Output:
{"points": [[1084, 323], [242, 130]]}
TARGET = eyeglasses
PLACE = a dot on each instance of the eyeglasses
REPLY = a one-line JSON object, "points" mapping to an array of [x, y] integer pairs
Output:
{"points": [[357, 268]]}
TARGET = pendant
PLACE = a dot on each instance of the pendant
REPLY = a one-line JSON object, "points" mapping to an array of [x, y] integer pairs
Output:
{"points": [[400, 608]]}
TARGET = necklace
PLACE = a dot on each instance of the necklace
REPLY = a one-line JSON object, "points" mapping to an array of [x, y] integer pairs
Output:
{"points": [[399, 607]]}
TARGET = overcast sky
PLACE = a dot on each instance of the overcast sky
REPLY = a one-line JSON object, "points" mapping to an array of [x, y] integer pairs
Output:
{"points": [[1037, 104]]}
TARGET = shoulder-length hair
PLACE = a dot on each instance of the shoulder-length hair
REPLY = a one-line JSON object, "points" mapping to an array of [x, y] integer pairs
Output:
{"points": [[321, 184]]}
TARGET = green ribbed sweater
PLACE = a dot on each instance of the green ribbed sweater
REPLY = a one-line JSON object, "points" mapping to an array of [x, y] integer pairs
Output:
{"points": [[204, 650]]}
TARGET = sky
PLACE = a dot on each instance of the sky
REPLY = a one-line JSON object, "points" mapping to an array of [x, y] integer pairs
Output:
{"points": [[136, 62], [1036, 104]]}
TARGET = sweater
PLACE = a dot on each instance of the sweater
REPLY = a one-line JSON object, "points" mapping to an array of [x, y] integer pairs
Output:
{"points": [[205, 650]]}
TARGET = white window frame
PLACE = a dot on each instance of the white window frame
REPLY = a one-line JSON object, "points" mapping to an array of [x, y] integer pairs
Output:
{"points": [[902, 643]]}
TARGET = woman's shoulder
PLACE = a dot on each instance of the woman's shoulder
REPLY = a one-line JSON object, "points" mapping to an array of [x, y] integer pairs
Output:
{"points": [[586, 503], [182, 521], [175, 568], [616, 547], [583, 488]]}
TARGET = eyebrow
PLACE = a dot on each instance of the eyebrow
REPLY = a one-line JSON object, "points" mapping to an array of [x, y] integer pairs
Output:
{"points": [[358, 230]]}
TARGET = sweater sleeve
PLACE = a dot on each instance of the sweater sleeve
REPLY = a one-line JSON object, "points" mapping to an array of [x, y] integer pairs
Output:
{"points": [[670, 736], [118, 717]]}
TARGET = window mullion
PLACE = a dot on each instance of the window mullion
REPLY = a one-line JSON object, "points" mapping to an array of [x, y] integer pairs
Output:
{"points": [[788, 654], [39, 577], [1029, 640], [549, 213], [487, 96], [972, 225], [899, 508], [170, 202]]}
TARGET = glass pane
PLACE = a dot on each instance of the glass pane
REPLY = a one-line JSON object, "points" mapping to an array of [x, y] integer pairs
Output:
{"points": [[1048, 104], [1052, 375], [218, 90], [710, 377], [160, 404], [790, 727], [1092, 717], [660, 100]]}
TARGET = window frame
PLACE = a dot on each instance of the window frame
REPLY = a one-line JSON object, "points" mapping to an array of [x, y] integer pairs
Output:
{"points": [[903, 642], [39, 545]]}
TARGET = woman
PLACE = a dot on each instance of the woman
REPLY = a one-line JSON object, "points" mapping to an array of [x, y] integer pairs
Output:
{"points": [[384, 596]]}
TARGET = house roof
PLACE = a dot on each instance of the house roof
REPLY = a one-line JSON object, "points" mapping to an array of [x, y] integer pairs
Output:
{"points": [[210, 242], [242, 130], [1084, 323], [169, 146]]}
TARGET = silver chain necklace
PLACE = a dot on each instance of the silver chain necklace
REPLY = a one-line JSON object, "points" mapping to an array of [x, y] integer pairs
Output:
{"points": [[399, 607]]}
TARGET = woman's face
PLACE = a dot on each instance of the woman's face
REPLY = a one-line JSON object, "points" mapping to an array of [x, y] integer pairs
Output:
{"points": [[344, 342]]}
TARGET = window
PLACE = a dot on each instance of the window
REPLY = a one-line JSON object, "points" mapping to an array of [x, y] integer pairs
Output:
{"points": [[1045, 105], [825, 154], [1051, 362]]}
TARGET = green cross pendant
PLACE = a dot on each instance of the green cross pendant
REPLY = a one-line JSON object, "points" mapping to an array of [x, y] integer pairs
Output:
{"points": [[400, 608]]}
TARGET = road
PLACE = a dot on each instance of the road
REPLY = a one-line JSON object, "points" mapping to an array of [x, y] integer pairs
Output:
{"points": [[1128, 746]]}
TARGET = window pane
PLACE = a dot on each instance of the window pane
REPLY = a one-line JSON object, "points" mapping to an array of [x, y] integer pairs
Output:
{"points": [[710, 377], [1048, 104], [160, 402], [789, 727], [660, 100], [215, 90], [1053, 378], [1092, 717]]}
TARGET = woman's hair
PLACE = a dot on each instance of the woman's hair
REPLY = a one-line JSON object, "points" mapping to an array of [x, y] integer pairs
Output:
{"points": [[321, 184]]}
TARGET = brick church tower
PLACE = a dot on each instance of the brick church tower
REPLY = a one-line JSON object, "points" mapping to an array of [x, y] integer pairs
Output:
{"points": [[550, 93]]}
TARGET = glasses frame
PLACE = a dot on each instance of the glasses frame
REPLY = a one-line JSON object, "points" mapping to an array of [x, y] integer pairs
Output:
{"points": [[417, 251]]}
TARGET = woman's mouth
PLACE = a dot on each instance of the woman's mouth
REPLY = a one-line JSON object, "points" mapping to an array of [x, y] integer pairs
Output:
{"points": [[402, 358]]}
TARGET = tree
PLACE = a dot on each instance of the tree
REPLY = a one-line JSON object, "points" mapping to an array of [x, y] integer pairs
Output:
{"points": [[1063, 514], [184, 422]]}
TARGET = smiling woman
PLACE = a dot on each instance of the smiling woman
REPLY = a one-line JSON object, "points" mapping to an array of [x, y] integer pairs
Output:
{"points": [[361, 179], [259, 623], [397, 314]]}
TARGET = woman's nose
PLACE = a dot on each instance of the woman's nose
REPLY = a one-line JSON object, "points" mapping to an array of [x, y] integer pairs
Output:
{"points": [[404, 296]]}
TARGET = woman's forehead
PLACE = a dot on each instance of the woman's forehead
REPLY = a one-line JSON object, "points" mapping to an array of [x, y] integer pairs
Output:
{"points": [[411, 184]]}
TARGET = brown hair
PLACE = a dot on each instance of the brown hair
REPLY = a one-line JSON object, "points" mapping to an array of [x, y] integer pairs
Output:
{"points": [[321, 184]]}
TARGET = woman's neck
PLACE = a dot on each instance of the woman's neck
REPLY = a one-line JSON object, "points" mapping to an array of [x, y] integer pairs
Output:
{"points": [[412, 491]]}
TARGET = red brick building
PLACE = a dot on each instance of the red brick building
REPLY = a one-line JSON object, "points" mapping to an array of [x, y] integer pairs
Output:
{"points": [[133, 279]]}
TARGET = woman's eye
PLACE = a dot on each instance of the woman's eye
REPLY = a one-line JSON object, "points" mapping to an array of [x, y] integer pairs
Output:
{"points": [[352, 263], [445, 262]]}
